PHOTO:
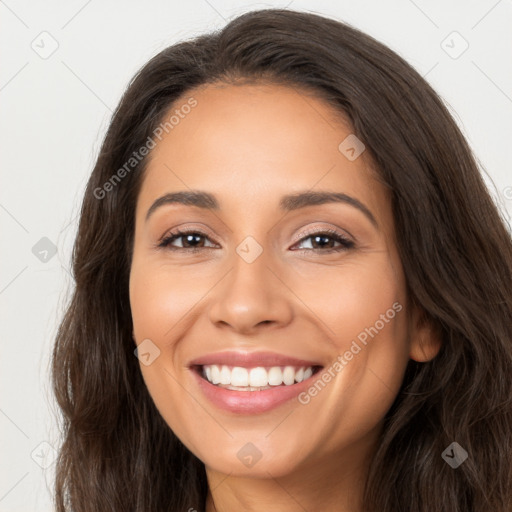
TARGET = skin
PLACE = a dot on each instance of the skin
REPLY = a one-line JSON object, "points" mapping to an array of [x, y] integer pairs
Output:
{"points": [[249, 145]]}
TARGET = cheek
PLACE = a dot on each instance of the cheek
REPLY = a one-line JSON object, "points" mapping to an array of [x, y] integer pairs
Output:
{"points": [[159, 300], [349, 299], [361, 309], [158, 303]]}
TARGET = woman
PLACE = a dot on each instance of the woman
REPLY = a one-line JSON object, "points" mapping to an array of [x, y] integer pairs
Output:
{"points": [[293, 290]]}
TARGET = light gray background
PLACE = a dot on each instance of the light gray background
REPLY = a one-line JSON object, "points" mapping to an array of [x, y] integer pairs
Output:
{"points": [[55, 111]]}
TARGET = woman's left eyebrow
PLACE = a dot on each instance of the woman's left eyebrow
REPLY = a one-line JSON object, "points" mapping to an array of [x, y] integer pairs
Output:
{"points": [[206, 200]]}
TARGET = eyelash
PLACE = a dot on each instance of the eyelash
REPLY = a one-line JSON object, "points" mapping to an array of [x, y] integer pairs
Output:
{"points": [[346, 244]]}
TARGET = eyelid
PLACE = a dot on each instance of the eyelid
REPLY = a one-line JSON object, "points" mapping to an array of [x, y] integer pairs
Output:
{"points": [[321, 229], [202, 229]]}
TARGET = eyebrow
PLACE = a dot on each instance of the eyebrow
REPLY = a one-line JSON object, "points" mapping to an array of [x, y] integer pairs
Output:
{"points": [[289, 202]]}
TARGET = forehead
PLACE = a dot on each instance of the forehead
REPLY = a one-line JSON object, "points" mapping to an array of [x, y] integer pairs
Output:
{"points": [[251, 144]]}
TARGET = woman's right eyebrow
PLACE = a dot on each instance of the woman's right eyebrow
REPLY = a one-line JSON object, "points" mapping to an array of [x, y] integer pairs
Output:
{"points": [[197, 198], [206, 200]]}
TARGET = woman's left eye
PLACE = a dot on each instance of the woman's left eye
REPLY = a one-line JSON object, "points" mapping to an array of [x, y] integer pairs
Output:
{"points": [[325, 239], [320, 237]]}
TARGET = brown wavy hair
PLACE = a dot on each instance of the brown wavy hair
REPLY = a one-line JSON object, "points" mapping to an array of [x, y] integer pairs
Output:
{"points": [[117, 452]]}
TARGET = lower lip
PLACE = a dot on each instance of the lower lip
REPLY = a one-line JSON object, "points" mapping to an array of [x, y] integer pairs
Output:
{"points": [[251, 402]]}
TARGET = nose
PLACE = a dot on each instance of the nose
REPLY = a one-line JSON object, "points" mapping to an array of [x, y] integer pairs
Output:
{"points": [[251, 296]]}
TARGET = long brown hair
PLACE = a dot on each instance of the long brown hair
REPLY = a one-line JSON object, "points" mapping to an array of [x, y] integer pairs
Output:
{"points": [[118, 454]]}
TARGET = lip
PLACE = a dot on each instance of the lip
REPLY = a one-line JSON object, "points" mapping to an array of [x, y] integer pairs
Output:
{"points": [[250, 402], [251, 360]]}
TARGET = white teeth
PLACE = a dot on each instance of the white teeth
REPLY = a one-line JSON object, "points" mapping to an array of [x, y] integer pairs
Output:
{"points": [[215, 374], [255, 378], [239, 377], [289, 375], [275, 376], [258, 377], [225, 375]]}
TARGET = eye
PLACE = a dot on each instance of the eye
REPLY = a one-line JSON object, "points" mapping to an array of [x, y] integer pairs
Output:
{"points": [[327, 238], [191, 241], [189, 237]]}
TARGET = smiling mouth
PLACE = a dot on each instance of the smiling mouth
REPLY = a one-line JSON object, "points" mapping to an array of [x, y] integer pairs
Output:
{"points": [[237, 378]]}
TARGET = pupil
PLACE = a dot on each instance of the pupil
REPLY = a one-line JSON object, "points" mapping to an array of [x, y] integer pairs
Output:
{"points": [[321, 237], [190, 238]]}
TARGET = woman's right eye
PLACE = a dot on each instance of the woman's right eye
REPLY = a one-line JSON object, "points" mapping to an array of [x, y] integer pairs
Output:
{"points": [[189, 237]]}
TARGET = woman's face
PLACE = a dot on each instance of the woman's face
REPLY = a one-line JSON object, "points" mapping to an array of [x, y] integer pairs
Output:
{"points": [[258, 273]]}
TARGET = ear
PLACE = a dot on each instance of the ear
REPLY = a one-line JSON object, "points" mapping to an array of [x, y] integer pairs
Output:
{"points": [[425, 337]]}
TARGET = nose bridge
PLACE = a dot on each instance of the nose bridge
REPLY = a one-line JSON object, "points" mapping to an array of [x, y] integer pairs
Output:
{"points": [[252, 263]]}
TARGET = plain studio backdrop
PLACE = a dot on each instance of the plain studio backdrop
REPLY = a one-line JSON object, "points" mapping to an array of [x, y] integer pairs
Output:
{"points": [[64, 68]]}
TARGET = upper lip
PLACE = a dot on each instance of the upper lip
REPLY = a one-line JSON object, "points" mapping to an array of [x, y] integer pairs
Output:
{"points": [[251, 359]]}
